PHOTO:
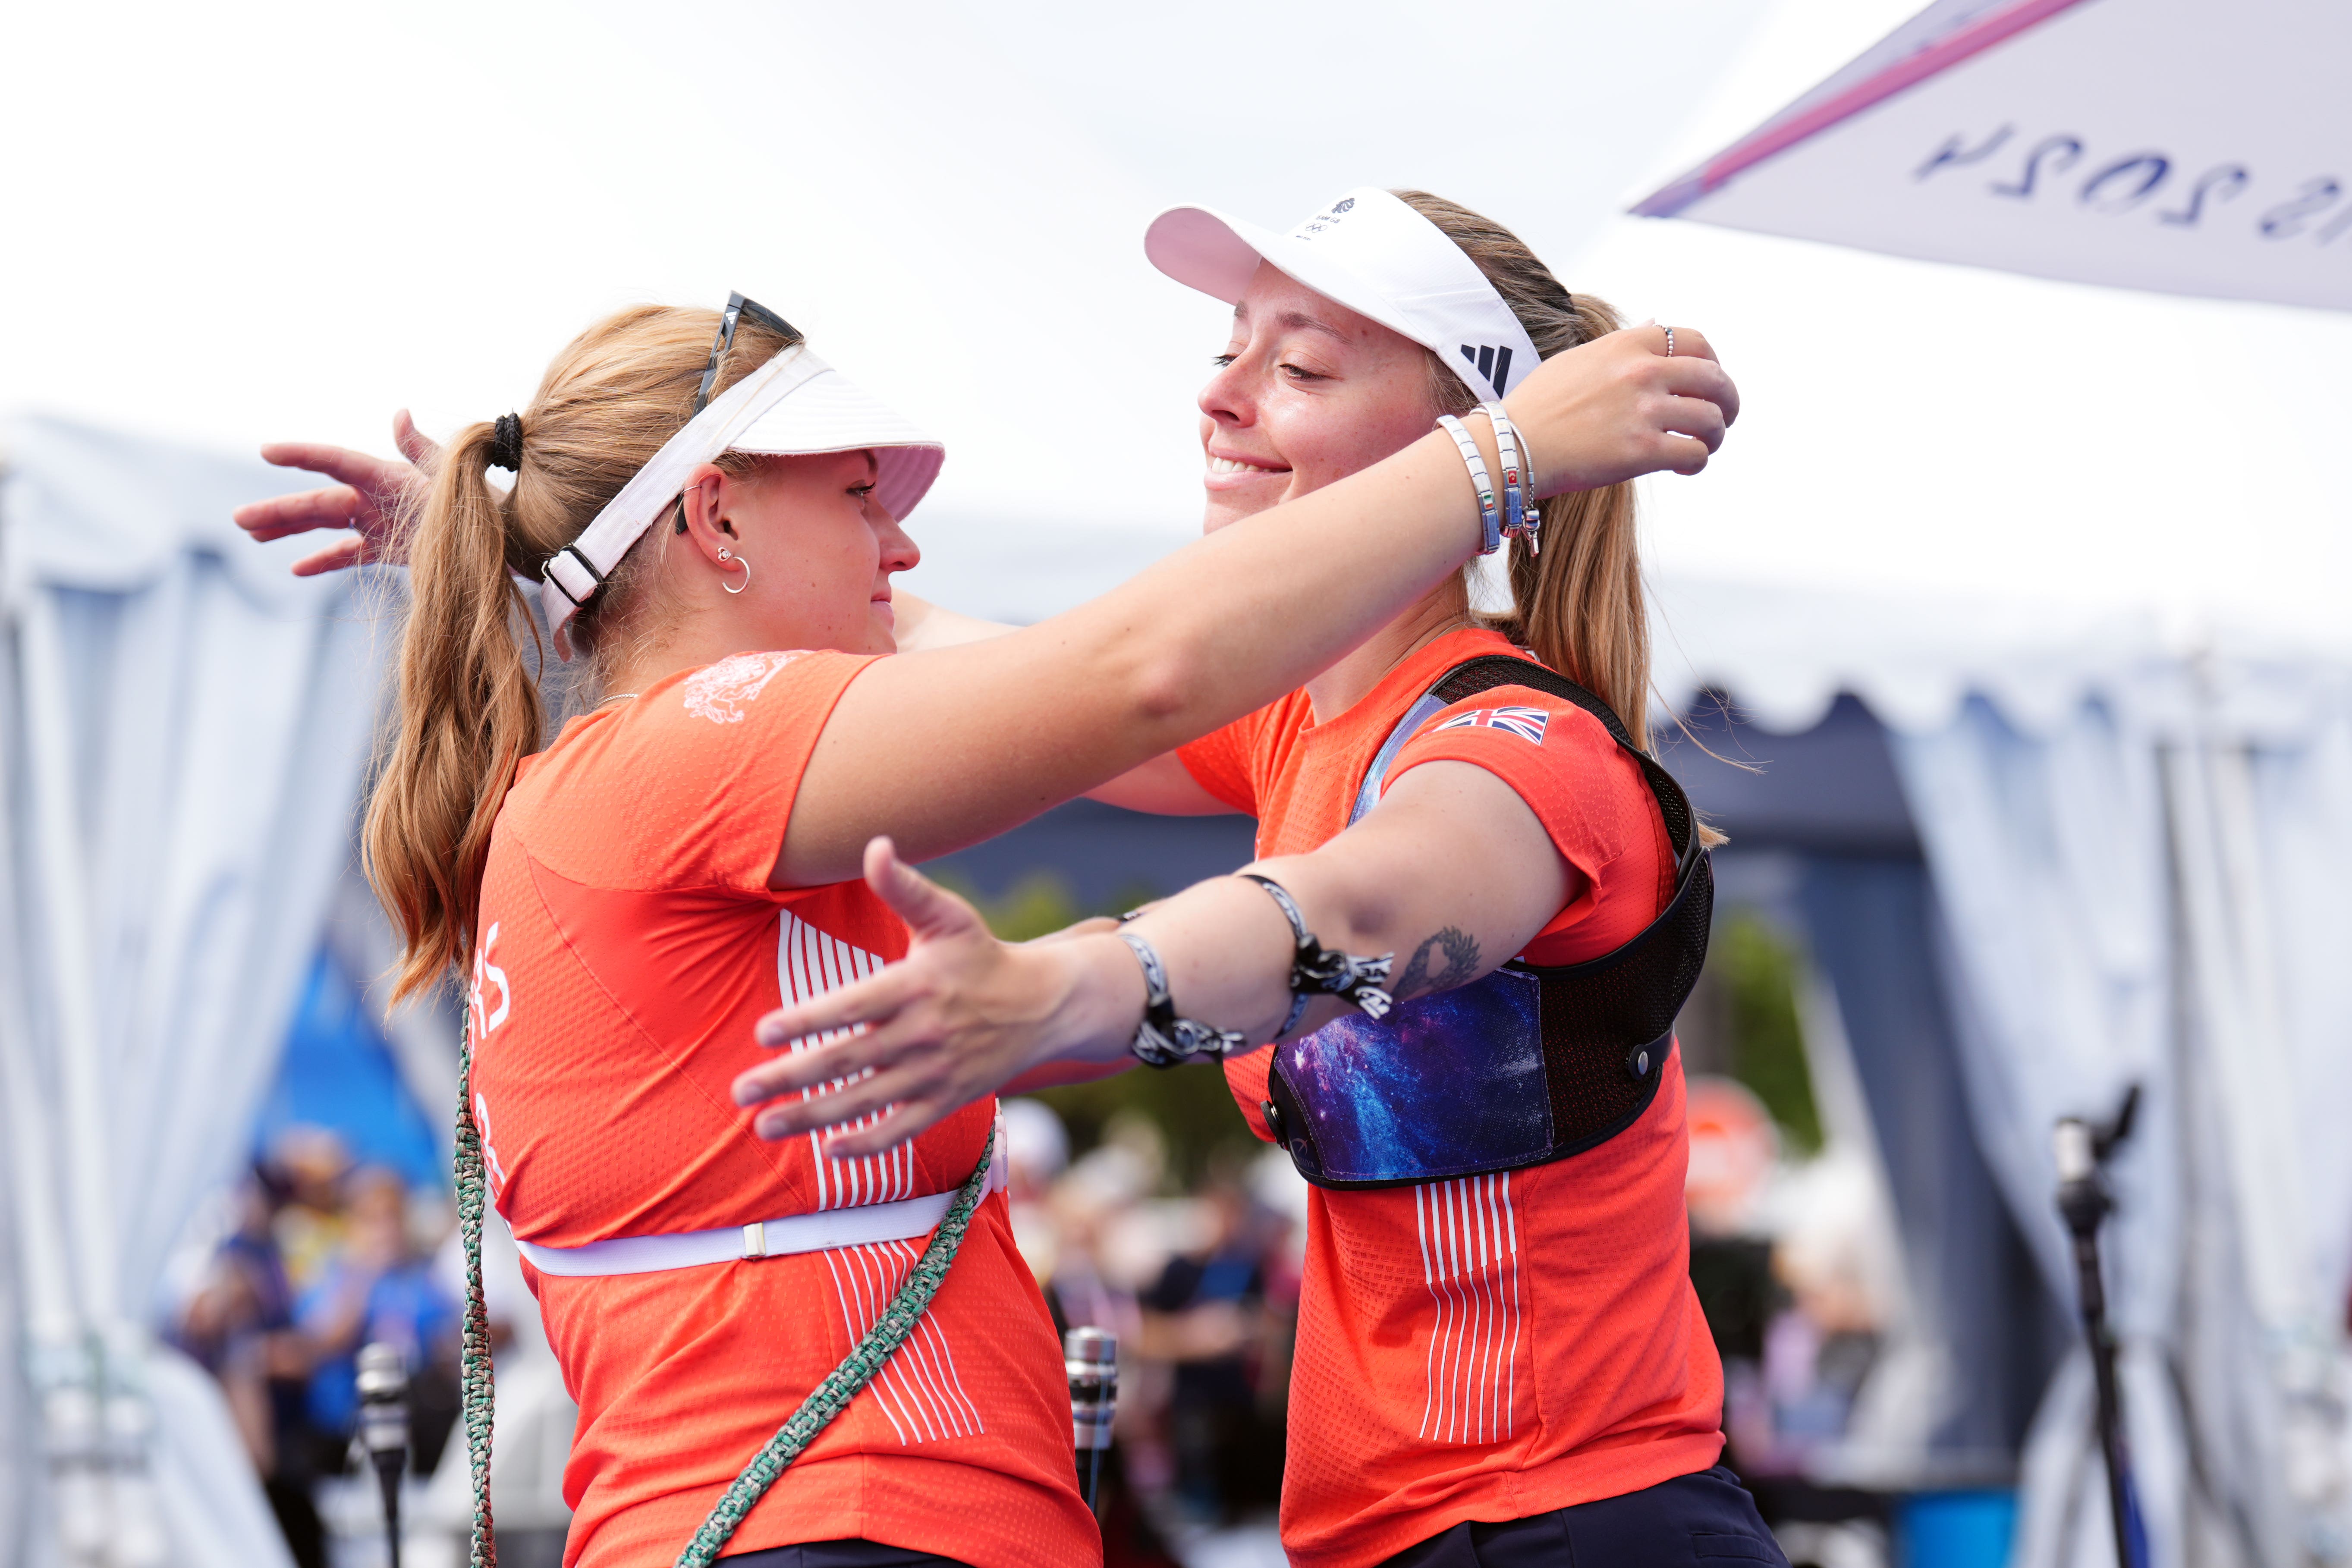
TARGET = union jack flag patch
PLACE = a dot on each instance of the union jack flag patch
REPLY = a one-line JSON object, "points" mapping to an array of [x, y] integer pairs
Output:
{"points": [[1527, 723]]}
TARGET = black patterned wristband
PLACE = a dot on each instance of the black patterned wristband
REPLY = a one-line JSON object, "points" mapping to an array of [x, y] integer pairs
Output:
{"points": [[1319, 970], [1163, 1039]]}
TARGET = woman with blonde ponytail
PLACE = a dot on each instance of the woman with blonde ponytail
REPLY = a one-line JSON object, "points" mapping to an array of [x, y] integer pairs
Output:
{"points": [[711, 529], [1447, 986]]}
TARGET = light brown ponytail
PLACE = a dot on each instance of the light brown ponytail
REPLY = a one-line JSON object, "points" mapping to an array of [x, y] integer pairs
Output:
{"points": [[1577, 605], [469, 700]]}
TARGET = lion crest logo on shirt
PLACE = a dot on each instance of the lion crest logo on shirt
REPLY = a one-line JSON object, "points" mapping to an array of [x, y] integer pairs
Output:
{"points": [[1527, 723], [720, 692]]}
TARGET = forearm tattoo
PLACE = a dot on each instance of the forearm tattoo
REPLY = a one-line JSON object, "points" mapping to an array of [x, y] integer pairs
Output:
{"points": [[1456, 953]]}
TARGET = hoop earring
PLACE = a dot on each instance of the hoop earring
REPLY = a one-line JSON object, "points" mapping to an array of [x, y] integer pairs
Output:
{"points": [[726, 555]]}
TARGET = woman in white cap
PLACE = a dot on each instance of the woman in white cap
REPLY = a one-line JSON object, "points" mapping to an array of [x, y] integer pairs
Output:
{"points": [[1478, 905], [714, 527]]}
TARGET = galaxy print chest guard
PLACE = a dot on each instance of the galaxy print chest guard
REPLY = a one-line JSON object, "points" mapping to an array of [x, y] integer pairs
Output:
{"points": [[1529, 1064]]}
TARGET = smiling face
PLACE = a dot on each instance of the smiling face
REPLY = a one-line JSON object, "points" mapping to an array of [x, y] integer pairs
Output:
{"points": [[1307, 392], [821, 552]]}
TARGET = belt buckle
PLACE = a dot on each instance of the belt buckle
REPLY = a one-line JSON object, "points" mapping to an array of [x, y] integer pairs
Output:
{"points": [[755, 1239]]}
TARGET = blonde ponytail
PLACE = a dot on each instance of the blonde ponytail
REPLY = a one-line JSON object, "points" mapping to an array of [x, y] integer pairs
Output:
{"points": [[469, 705], [1578, 604]]}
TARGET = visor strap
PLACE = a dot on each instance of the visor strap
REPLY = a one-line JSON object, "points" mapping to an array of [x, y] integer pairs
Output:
{"points": [[578, 565], [1490, 519]]}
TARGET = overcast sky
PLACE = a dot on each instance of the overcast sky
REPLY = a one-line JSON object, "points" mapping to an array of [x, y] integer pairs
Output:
{"points": [[245, 221]]}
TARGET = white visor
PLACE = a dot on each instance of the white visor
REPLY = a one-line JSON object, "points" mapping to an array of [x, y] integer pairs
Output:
{"points": [[793, 405], [1376, 256]]}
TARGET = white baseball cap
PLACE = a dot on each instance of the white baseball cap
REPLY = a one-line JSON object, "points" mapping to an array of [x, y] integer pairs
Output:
{"points": [[793, 405], [1376, 256]]}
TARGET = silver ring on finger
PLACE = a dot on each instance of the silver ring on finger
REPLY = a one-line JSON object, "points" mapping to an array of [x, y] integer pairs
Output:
{"points": [[1670, 342]]}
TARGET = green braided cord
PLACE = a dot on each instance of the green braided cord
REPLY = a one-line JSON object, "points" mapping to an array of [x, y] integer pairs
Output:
{"points": [[843, 1383], [474, 1370]]}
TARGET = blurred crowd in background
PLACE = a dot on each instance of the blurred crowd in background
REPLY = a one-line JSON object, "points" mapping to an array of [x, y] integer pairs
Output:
{"points": [[320, 1255], [1142, 1204]]}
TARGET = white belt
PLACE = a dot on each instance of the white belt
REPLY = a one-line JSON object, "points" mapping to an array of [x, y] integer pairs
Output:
{"points": [[900, 1221]]}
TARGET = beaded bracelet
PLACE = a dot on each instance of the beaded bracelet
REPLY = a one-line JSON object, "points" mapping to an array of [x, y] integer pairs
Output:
{"points": [[1319, 970], [1520, 513], [1163, 1039], [1489, 517]]}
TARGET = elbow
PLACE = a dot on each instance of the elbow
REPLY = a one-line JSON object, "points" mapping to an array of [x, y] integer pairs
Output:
{"points": [[1165, 691]]}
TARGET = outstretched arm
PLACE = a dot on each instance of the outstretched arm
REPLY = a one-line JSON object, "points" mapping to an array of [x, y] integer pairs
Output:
{"points": [[1452, 873], [943, 750]]}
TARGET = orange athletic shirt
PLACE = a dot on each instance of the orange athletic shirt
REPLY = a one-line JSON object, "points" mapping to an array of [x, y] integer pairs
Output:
{"points": [[1489, 1347], [629, 942]]}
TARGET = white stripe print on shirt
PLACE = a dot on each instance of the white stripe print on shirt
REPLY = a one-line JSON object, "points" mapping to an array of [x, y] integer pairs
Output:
{"points": [[809, 964], [1470, 1261], [919, 1390]]}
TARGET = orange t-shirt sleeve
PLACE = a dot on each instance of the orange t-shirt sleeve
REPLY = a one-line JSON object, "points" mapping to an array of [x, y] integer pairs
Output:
{"points": [[1220, 762], [1588, 793], [719, 758]]}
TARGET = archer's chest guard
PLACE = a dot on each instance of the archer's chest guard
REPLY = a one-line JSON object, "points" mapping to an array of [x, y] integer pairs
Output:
{"points": [[1529, 1064]]}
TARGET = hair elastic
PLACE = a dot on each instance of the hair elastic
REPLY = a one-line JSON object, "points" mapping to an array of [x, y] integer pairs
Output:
{"points": [[505, 442], [1488, 517]]}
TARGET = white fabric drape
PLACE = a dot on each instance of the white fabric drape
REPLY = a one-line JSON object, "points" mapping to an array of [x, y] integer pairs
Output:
{"points": [[2047, 853], [2148, 889], [186, 734], [2260, 784]]}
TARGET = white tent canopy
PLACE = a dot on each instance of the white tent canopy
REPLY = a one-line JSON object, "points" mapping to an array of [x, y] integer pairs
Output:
{"points": [[183, 728]]}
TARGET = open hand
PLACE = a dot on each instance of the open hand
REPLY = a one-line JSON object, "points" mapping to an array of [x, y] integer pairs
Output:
{"points": [[1620, 406], [371, 496], [957, 1018]]}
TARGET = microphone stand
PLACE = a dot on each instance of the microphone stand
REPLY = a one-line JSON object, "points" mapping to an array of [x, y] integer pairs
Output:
{"points": [[2085, 1200], [1091, 1357], [383, 1428]]}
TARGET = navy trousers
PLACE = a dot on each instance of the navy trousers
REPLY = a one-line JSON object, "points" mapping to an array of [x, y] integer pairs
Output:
{"points": [[1706, 1520], [839, 1554]]}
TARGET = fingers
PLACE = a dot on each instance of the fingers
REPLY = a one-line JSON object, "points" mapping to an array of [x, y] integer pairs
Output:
{"points": [[413, 444], [929, 910], [867, 1001], [899, 1107], [904, 1122], [333, 506], [1695, 417], [1684, 455], [795, 1114], [1701, 378], [335, 462], [335, 557], [1689, 341], [799, 1080]]}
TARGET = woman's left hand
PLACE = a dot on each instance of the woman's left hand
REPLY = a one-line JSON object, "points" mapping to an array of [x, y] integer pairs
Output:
{"points": [[372, 497], [956, 1019]]}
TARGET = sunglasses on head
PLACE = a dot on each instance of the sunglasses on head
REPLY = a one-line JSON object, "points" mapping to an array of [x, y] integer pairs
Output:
{"points": [[738, 307]]}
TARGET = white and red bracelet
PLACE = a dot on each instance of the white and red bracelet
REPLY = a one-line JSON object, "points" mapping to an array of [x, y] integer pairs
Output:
{"points": [[1520, 513], [1489, 517]]}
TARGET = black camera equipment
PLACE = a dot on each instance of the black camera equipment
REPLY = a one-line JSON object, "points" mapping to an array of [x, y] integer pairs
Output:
{"points": [[2085, 1200]]}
